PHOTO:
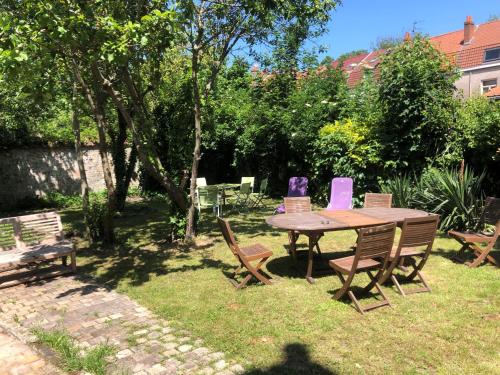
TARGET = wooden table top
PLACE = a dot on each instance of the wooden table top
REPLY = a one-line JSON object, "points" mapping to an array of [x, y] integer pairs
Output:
{"points": [[324, 221]]}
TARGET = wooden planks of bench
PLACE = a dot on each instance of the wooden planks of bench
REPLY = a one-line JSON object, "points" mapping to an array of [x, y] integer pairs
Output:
{"points": [[29, 242]]}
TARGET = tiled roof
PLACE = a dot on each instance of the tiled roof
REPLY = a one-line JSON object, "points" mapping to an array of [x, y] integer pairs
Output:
{"points": [[494, 92], [484, 36]]}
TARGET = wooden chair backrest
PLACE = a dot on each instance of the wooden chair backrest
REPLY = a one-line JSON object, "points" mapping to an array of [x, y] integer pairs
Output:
{"points": [[20, 232], [227, 233], [491, 212], [417, 232], [375, 242], [297, 204], [378, 200]]}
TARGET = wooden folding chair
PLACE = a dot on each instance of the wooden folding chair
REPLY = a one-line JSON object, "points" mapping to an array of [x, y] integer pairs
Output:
{"points": [[245, 256], [372, 253], [294, 205], [480, 242], [417, 238], [377, 200]]}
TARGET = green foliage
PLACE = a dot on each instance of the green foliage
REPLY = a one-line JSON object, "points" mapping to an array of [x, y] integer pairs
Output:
{"points": [[402, 189], [344, 148], [93, 361], [416, 88], [476, 139], [177, 224], [456, 198]]}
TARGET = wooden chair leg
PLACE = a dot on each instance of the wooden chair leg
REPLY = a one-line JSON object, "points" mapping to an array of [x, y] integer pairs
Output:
{"points": [[255, 271], [482, 255], [398, 287], [354, 300], [73, 261], [345, 285], [459, 256], [415, 273]]}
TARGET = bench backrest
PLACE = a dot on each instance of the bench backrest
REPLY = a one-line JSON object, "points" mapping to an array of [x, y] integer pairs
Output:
{"points": [[20, 232]]}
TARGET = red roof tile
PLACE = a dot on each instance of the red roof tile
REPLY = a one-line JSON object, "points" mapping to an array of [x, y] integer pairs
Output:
{"points": [[493, 92], [486, 35]]}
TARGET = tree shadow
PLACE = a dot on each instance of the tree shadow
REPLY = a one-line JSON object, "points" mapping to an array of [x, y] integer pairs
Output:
{"points": [[296, 360], [285, 266]]}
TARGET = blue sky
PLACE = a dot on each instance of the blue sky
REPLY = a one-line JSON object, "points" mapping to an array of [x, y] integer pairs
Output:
{"points": [[356, 24]]}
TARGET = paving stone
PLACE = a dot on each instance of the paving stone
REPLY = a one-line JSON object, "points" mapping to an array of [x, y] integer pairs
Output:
{"points": [[219, 365], [207, 371], [170, 352], [156, 369], [184, 348], [91, 315]]}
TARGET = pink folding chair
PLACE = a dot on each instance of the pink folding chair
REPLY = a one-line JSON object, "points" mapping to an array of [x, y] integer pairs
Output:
{"points": [[341, 194]]}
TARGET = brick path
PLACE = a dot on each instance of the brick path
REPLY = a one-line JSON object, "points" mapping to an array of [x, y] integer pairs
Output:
{"points": [[17, 358], [92, 314]]}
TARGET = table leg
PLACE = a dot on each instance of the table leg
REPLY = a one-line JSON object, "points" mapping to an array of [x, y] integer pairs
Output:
{"points": [[312, 242]]}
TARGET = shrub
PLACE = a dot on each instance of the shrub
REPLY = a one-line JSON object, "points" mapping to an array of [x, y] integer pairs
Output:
{"points": [[344, 148], [403, 190], [456, 198]]}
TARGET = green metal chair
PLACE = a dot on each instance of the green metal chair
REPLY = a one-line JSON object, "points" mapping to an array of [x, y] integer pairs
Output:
{"points": [[256, 198], [242, 198], [201, 181], [250, 180], [208, 197]]}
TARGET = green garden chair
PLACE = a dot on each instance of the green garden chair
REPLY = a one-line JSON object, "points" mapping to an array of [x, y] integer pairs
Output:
{"points": [[250, 180], [242, 198], [256, 198], [201, 181], [208, 197]]}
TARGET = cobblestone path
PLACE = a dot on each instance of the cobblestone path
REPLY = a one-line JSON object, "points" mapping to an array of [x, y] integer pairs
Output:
{"points": [[92, 314]]}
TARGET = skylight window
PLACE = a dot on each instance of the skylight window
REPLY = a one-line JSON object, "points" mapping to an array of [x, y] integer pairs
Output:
{"points": [[492, 54]]}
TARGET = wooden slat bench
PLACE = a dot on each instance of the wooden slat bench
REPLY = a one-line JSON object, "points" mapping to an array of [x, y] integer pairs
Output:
{"points": [[28, 244]]}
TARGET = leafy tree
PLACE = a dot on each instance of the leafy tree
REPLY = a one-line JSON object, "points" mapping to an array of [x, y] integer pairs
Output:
{"points": [[109, 48], [350, 54], [387, 42], [416, 88], [214, 28]]}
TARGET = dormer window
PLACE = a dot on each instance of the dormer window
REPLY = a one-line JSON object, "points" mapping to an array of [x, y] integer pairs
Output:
{"points": [[492, 54], [487, 85]]}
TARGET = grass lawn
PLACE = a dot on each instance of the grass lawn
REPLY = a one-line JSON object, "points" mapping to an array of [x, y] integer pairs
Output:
{"points": [[294, 327]]}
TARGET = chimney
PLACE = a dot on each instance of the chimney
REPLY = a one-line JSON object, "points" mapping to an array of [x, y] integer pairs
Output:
{"points": [[407, 37], [468, 29]]}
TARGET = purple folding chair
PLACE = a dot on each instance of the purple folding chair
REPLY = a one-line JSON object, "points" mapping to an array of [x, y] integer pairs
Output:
{"points": [[297, 187], [341, 195]]}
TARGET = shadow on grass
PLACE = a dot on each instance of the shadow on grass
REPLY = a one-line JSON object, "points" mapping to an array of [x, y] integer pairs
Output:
{"points": [[296, 360], [453, 255], [284, 266]]}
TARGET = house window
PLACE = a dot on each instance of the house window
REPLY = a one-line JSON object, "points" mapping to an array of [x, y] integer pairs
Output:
{"points": [[487, 85], [492, 54]]}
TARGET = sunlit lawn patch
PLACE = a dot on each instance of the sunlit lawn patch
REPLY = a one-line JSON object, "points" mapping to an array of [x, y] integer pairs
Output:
{"points": [[293, 326]]}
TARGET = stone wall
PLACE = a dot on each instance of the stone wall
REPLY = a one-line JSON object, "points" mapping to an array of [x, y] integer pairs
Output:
{"points": [[30, 172]]}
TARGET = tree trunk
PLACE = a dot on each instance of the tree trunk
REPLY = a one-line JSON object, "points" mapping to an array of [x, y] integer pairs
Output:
{"points": [[96, 103], [108, 225], [147, 156], [81, 166], [190, 227], [123, 168]]}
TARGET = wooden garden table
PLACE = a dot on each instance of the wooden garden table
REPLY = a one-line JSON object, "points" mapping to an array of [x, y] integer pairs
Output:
{"points": [[314, 224]]}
